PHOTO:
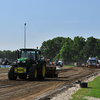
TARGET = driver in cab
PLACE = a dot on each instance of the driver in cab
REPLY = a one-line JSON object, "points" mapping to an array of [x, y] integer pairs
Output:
{"points": [[31, 56]]}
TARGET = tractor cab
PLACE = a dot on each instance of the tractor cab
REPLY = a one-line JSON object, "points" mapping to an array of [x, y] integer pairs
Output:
{"points": [[28, 55], [33, 54]]}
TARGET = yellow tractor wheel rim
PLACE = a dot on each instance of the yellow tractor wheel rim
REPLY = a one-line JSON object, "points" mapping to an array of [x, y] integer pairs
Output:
{"points": [[35, 73], [43, 70]]}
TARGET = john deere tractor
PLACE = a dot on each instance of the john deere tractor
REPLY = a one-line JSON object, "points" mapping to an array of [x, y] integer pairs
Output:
{"points": [[29, 64]]}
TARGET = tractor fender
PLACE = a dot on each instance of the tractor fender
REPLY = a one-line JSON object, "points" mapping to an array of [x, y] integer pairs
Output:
{"points": [[41, 63]]}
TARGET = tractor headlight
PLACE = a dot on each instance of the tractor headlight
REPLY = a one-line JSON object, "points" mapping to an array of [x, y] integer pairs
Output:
{"points": [[23, 61], [18, 61]]}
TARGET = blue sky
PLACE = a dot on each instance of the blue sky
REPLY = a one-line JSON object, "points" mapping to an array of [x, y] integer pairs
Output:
{"points": [[46, 19]]}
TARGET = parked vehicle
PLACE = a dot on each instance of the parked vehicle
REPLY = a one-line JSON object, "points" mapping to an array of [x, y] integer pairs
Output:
{"points": [[4, 61], [92, 63], [60, 63]]}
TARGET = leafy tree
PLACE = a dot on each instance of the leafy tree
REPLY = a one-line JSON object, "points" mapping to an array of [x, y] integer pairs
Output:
{"points": [[1, 54], [66, 51], [97, 48], [90, 48], [11, 55], [52, 47], [78, 45]]}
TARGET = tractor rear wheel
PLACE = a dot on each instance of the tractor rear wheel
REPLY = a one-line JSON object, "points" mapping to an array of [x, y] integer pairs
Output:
{"points": [[11, 74], [32, 73], [42, 71], [22, 76]]}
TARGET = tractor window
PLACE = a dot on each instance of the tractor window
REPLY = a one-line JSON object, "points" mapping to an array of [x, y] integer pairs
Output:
{"points": [[24, 54], [28, 54], [31, 55], [38, 55], [92, 62]]}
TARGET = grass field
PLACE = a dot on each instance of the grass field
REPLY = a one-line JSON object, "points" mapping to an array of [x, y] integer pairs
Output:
{"points": [[4, 68], [93, 90], [68, 66]]}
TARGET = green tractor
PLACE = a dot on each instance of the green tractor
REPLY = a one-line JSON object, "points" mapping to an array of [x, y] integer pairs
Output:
{"points": [[29, 64]]}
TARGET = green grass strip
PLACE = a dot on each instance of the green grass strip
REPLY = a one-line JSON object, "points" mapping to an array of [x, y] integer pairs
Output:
{"points": [[68, 66], [4, 68], [93, 90]]}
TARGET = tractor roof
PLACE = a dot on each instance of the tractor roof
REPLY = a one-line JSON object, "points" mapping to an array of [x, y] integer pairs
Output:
{"points": [[30, 49]]}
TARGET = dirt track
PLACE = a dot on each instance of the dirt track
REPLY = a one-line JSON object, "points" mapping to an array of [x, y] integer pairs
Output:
{"points": [[30, 90]]}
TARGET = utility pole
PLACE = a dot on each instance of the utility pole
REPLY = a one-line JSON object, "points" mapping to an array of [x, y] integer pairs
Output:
{"points": [[25, 35]]}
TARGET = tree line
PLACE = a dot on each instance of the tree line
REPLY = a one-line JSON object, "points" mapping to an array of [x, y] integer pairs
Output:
{"points": [[78, 49], [66, 49], [11, 55]]}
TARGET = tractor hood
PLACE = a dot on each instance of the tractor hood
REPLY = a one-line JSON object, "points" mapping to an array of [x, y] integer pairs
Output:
{"points": [[23, 62], [23, 59]]}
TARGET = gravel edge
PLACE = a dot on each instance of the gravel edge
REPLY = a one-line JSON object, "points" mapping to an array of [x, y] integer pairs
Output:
{"points": [[66, 95]]}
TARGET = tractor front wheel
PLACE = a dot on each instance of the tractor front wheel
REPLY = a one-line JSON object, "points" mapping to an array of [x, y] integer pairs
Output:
{"points": [[11, 74], [32, 73]]}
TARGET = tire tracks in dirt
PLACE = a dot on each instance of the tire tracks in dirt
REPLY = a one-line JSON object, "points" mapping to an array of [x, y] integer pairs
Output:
{"points": [[30, 90]]}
